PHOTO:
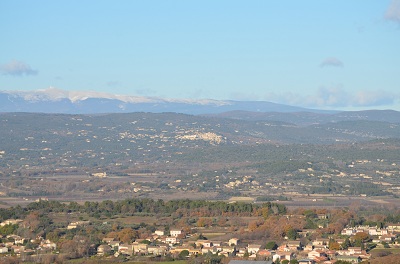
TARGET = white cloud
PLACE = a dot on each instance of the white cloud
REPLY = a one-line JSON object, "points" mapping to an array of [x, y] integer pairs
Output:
{"points": [[374, 98], [17, 68], [336, 98], [331, 61], [393, 11]]}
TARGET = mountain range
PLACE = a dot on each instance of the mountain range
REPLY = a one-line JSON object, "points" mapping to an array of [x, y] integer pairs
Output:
{"points": [[53, 100]]}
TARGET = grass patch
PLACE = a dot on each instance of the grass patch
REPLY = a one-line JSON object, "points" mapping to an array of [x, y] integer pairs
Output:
{"points": [[376, 251]]}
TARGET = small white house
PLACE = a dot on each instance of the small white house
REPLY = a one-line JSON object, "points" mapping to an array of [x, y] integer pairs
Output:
{"points": [[159, 232], [175, 232]]}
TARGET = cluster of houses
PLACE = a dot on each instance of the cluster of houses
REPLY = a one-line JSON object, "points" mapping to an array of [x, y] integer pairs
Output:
{"points": [[317, 251], [387, 234], [171, 244], [15, 244], [176, 241]]}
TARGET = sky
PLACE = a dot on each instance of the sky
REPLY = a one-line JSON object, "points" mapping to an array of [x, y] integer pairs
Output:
{"points": [[340, 54]]}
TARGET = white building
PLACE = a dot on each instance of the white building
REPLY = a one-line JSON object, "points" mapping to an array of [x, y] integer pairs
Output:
{"points": [[175, 232]]}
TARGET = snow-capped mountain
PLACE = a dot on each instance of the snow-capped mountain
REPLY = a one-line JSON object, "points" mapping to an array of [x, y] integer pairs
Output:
{"points": [[53, 100]]}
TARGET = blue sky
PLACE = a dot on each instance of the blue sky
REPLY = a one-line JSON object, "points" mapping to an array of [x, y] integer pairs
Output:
{"points": [[320, 54]]}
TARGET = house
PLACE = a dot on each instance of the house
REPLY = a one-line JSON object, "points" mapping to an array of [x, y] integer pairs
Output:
{"points": [[283, 247], [293, 245], [265, 253], [125, 249], [206, 250], [373, 231], [308, 247], [316, 254], [226, 250], [207, 243], [278, 256], [157, 251], [18, 249], [233, 241], [289, 256], [159, 232], [253, 248], [139, 248], [19, 241], [340, 241], [200, 242], [48, 244], [107, 239], [11, 222], [103, 249], [348, 232], [394, 227], [3, 250], [74, 225], [114, 244], [384, 231], [321, 242], [331, 254], [282, 256], [322, 216], [216, 243], [9, 244], [387, 238], [354, 250], [240, 252], [14, 237], [175, 232], [171, 240]]}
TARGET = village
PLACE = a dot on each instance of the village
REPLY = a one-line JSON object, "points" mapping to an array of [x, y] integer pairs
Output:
{"points": [[352, 245]]}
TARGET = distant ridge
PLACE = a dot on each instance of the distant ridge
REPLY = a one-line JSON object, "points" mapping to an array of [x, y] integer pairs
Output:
{"points": [[310, 118], [53, 100]]}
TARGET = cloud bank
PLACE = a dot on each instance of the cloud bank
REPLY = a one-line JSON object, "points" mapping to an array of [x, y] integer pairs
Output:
{"points": [[331, 61], [17, 68], [336, 97], [393, 11]]}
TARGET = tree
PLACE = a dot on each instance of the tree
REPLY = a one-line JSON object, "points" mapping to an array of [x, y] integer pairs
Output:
{"points": [[32, 220], [252, 226], [346, 243], [271, 245], [364, 237], [8, 229], [145, 241], [53, 236], [385, 244], [126, 235], [333, 245], [201, 237], [184, 254], [292, 234]]}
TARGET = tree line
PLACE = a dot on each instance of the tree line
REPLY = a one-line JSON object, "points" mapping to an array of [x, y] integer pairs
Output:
{"points": [[133, 206]]}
